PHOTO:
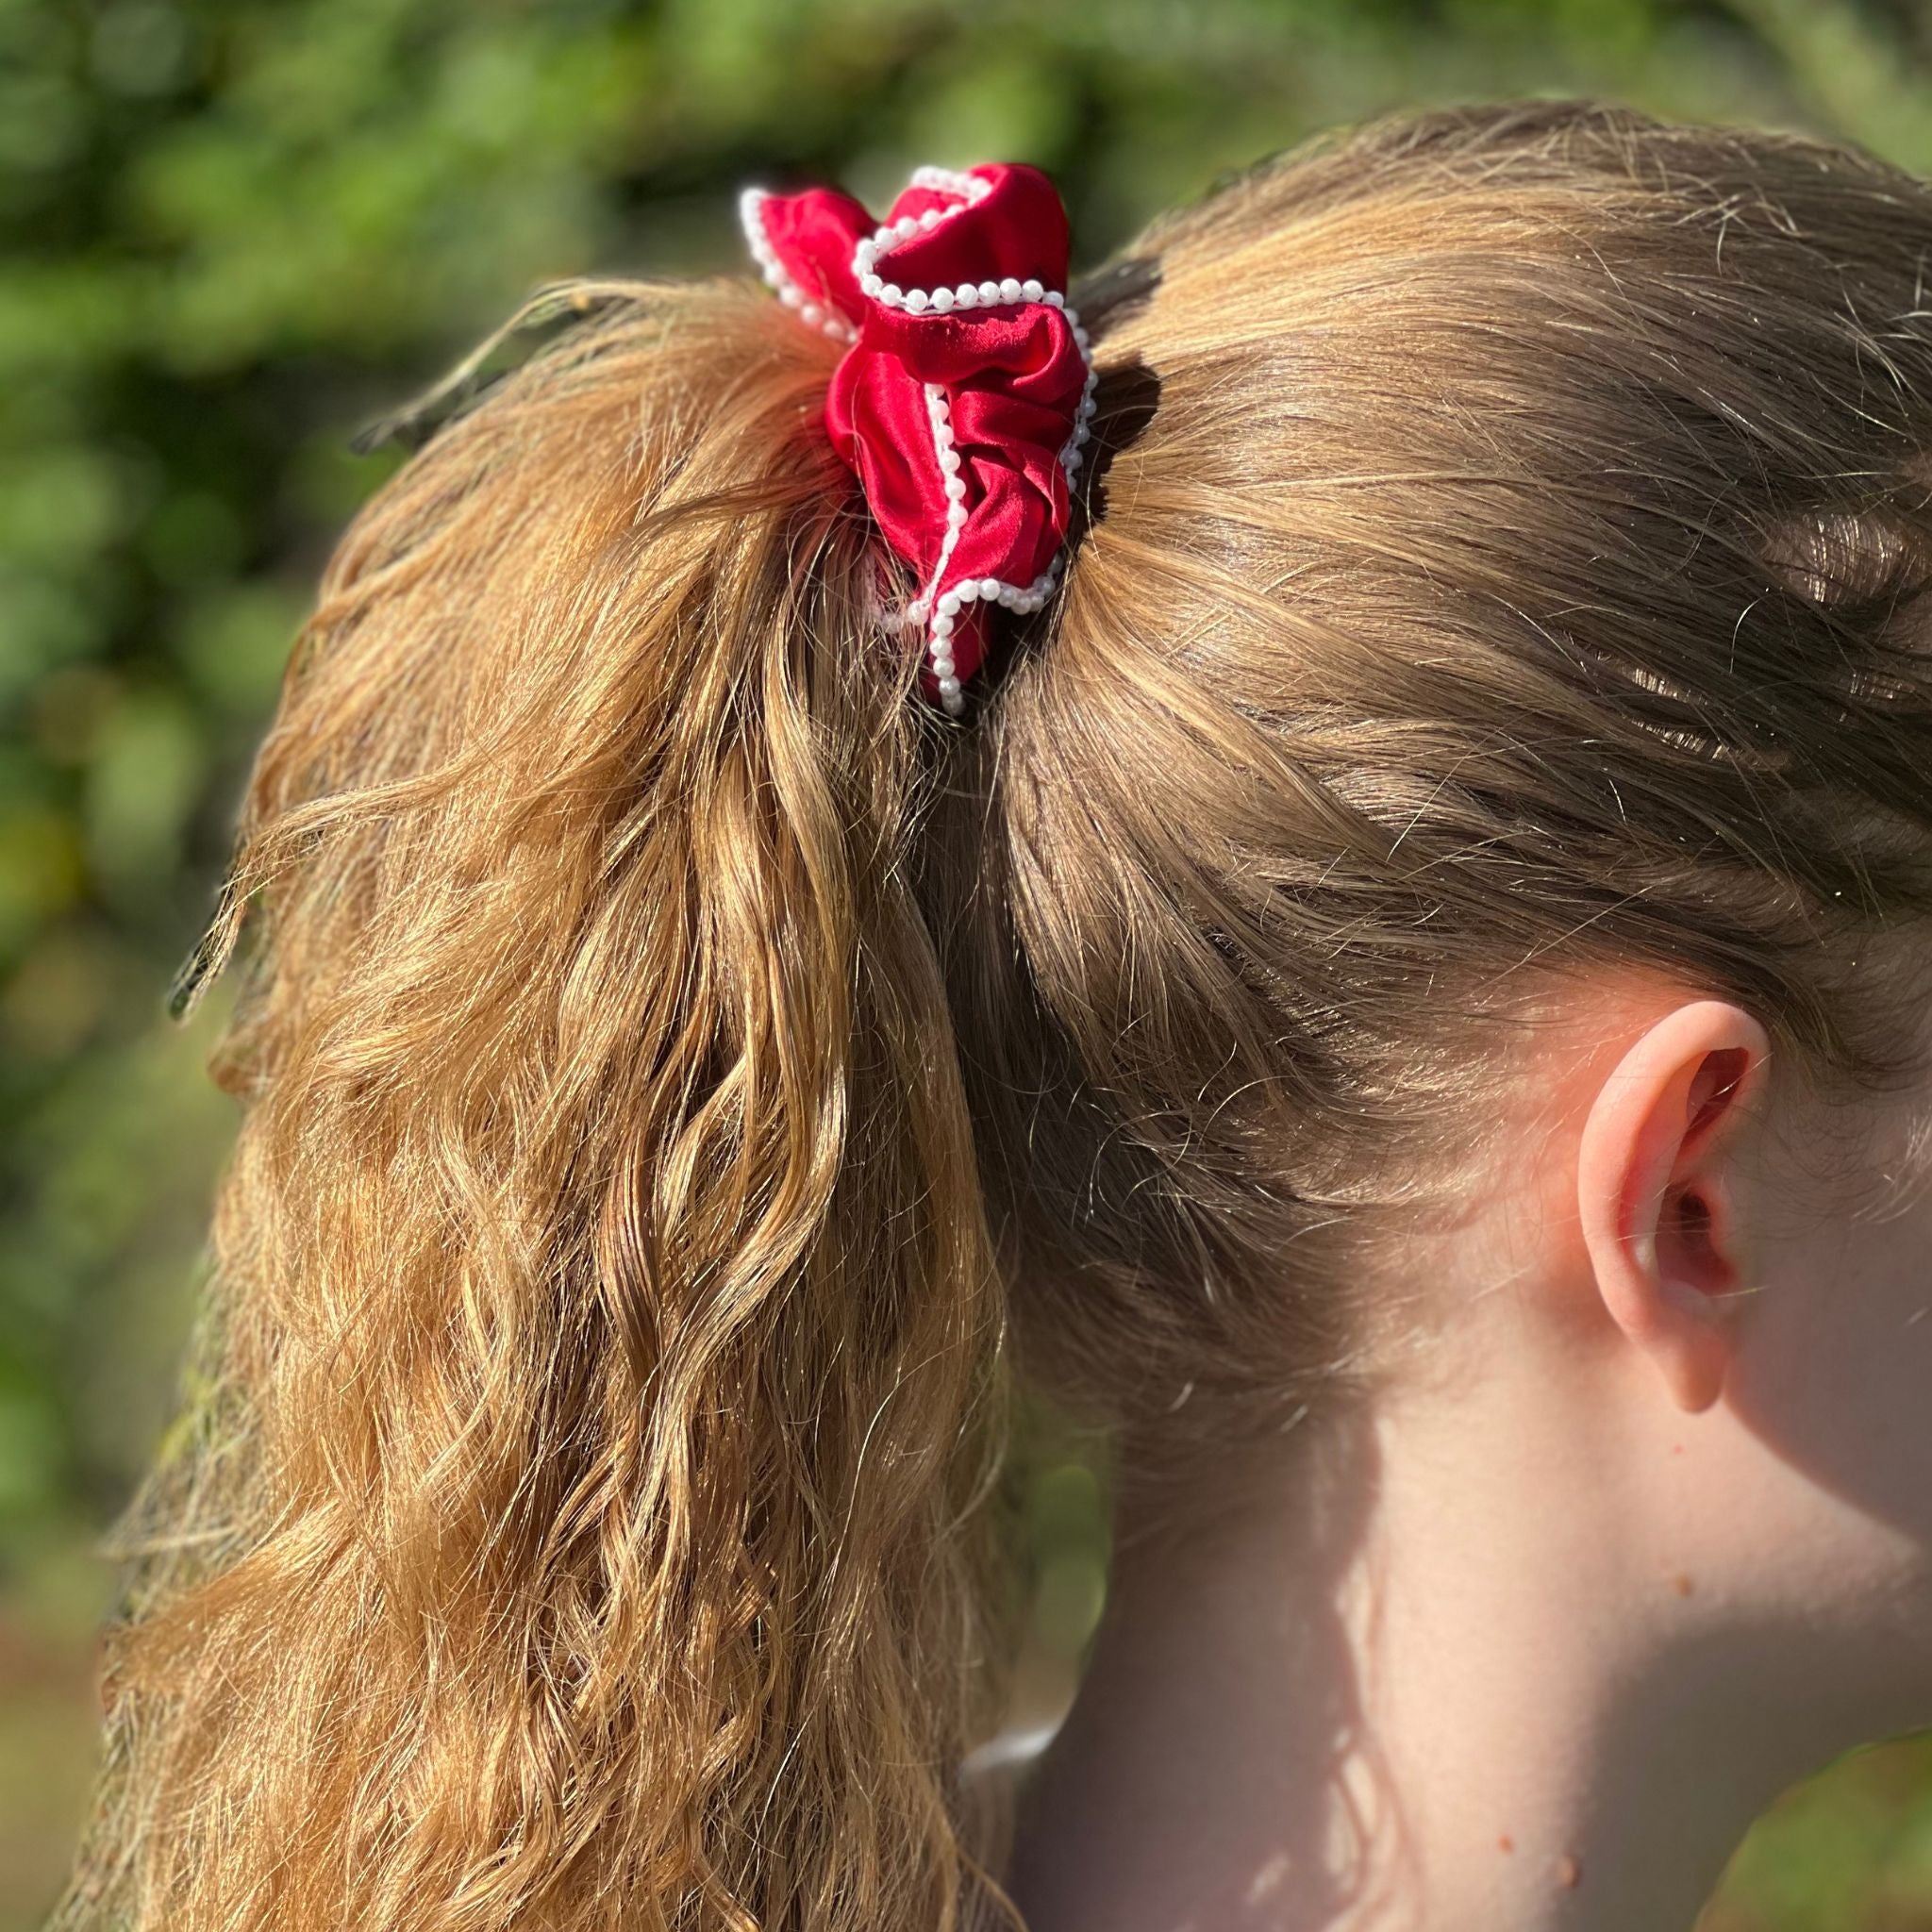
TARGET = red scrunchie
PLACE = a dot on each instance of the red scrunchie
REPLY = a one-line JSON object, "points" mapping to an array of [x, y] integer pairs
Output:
{"points": [[963, 401]]}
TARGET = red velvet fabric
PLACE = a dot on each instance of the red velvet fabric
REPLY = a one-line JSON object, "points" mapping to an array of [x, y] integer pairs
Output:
{"points": [[1013, 375]]}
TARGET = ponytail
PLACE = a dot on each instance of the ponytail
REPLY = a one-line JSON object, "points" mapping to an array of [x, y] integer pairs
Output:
{"points": [[580, 1522]]}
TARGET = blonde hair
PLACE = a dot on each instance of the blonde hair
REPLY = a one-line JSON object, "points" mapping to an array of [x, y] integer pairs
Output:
{"points": [[685, 1074]]}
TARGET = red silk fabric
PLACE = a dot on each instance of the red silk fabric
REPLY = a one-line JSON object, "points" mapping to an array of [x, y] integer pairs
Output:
{"points": [[1013, 375]]}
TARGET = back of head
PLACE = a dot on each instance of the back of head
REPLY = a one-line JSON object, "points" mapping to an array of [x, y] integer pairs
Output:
{"points": [[677, 1062], [1517, 571]]}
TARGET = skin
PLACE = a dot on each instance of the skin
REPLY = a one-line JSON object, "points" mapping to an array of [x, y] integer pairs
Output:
{"points": [[1650, 1541]]}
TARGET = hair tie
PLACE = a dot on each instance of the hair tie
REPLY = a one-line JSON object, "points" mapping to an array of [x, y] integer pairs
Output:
{"points": [[963, 399]]}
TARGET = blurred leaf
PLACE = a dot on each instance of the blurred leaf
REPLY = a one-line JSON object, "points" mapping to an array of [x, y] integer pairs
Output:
{"points": [[236, 641], [144, 779], [41, 871]]}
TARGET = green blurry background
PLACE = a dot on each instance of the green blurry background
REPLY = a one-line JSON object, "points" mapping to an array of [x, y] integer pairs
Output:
{"points": [[238, 229]]}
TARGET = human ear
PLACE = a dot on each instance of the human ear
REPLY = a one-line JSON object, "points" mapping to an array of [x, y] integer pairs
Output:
{"points": [[1655, 1191]]}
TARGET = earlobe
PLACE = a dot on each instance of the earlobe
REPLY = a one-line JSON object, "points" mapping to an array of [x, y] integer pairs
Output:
{"points": [[1656, 1193]]}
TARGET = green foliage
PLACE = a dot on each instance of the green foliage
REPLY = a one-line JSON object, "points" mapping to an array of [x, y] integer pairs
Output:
{"points": [[237, 229]]}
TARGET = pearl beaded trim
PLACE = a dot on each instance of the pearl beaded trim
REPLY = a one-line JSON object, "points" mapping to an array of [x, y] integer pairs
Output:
{"points": [[751, 214], [967, 189], [941, 622]]}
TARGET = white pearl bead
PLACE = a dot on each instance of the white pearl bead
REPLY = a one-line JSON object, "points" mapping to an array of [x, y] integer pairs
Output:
{"points": [[955, 488], [1055, 299], [950, 686], [956, 514], [1075, 460], [792, 296], [884, 236], [915, 301], [811, 313], [966, 296], [908, 226], [1032, 290], [941, 300], [1009, 290], [931, 218], [949, 604], [943, 626], [871, 285], [988, 293], [989, 586], [891, 296], [943, 666]]}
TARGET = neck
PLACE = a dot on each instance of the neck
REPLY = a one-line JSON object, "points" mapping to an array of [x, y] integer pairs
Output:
{"points": [[1451, 1686]]}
